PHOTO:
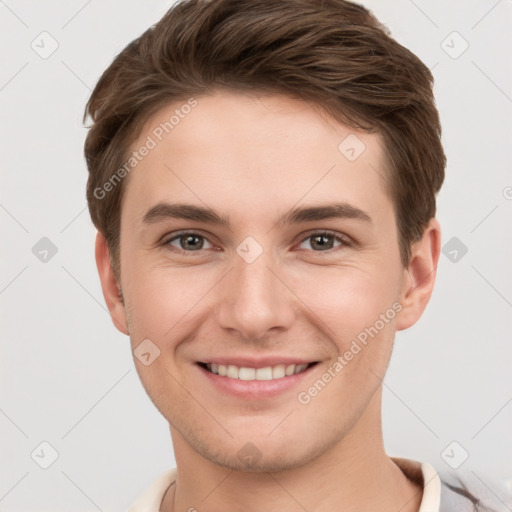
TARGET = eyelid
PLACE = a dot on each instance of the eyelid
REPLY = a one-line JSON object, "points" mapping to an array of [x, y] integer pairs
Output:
{"points": [[173, 234]]}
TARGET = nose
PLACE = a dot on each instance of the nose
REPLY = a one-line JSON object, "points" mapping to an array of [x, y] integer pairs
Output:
{"points": [[255, 299]]}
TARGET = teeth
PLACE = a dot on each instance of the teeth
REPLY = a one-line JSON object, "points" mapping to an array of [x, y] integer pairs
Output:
{"points": [[278, 371], [232, 372], [300, 368], [245, 374], [264, 373], [267, 373]]}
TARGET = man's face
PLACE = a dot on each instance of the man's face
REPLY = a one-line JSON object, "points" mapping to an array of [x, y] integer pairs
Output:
{"points": [[269, 288]]}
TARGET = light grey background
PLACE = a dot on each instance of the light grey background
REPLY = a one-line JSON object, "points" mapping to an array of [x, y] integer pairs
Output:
{"points": [[67, 376]]}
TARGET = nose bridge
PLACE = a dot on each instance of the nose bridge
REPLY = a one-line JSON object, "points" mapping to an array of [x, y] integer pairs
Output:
{"points": [[254, 300]]}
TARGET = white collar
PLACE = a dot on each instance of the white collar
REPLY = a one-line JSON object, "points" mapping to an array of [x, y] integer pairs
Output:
{"points": [[423, 473]]}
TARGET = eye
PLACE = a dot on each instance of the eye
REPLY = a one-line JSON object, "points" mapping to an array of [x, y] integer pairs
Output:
{"points": [[323, 241], [189, 242]]}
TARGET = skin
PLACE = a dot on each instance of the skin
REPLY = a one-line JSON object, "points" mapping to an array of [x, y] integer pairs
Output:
{"points": [[254, 157]]}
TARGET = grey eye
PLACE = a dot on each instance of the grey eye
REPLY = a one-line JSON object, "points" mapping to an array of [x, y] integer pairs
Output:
{"points": [[321, 242], [189, 242]]}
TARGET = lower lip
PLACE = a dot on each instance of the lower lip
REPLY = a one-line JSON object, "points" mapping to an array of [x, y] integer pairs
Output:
{"points": [[255, 389]]}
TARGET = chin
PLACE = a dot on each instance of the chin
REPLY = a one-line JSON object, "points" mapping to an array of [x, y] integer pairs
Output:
{"points": [[260, 463], [261, 453]]}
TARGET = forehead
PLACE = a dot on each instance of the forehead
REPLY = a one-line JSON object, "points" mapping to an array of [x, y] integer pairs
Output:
{"points": [[248, 153]]}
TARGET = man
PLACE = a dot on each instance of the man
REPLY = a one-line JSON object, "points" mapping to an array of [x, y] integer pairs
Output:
{"points": [[263, 177]]}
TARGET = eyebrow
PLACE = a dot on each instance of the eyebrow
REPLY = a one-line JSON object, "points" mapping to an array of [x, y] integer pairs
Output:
{"points": [[164, 211]]}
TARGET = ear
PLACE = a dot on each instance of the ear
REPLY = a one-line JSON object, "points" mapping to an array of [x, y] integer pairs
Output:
{"points": [[109, 285], [419, 276]]}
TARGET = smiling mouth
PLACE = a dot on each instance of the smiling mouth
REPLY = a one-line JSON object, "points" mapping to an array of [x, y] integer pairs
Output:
{"points": [[277, 371]]}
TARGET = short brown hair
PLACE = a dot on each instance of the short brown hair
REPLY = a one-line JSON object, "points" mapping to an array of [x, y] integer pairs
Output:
{"points": [[333, 53]]}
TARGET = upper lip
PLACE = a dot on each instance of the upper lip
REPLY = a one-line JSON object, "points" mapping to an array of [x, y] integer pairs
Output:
{"points": [[257, 362]]}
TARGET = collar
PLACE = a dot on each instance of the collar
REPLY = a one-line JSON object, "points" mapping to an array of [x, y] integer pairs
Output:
{"points": [[421, 473]]}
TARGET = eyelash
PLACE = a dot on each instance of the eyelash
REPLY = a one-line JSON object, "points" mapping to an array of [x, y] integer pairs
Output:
{"points": [[343, 240]]}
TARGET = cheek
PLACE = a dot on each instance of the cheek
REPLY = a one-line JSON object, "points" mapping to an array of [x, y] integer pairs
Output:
{"points": [[347, 299], [163, 299]]}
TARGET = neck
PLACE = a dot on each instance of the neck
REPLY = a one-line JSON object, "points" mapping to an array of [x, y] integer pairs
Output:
{"points": [[354, 475]]}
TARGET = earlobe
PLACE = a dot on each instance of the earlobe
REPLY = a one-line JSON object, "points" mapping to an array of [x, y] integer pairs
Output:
{"points": [[419, 276], [110, 285]]}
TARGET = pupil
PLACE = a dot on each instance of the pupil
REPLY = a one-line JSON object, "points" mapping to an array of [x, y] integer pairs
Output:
{"points": [[322, 241], [190, 240]]}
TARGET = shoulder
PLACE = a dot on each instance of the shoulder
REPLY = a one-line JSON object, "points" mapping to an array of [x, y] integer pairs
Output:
{"points": [[474, 491], [457, 491], [151, 498]]}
